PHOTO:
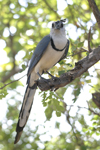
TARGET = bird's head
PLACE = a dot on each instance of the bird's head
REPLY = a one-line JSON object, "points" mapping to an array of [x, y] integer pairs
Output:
{"points": [[58, 26]]}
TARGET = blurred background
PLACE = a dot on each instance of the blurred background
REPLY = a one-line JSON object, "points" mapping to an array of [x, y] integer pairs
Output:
{"points": [[60, 120]]}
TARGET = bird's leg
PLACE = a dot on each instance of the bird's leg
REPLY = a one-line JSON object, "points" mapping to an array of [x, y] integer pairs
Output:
{"points": [[50, 74], [45, 80], [40, 75], [53, 78]]}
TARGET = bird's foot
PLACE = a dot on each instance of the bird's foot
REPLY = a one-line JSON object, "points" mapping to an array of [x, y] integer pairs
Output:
{"points": [[55, 78], [41, 83], [44, 80]]}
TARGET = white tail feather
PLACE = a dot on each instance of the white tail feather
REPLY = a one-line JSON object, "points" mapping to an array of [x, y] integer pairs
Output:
{"points": [[25, 111], [27, 104]]}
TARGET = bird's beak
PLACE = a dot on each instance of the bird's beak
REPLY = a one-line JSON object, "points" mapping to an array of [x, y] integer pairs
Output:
{"points": [[57, 26]]}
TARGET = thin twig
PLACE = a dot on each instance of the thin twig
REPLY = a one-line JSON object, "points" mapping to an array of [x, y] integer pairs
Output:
{"points": [[11, 73], [78, 53], [89, 39], [12, 81], [86, 108], [65, 105], [95, 10], [84, 49], [51, 8]]}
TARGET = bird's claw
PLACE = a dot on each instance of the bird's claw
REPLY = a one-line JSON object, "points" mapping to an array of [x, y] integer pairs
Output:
{"points": [[54, 78]]}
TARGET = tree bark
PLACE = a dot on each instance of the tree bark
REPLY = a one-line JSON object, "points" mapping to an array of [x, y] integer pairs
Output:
{"points": [[95, 10]]}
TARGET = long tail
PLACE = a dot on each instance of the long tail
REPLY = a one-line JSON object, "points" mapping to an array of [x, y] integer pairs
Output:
{"points": [[25, 111]]}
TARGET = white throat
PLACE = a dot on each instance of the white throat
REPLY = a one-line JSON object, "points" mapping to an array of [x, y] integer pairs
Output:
{"points": [[59, 38]]}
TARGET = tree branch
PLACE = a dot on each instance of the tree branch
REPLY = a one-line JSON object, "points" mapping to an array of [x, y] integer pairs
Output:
{"points": [[81, 51], [51, 8], [89, 39], [13, 72], [95, 10], [80, 67]]}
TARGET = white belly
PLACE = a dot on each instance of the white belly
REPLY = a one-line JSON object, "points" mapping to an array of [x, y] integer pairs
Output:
{"points": [[50, 56], [49, 59]]}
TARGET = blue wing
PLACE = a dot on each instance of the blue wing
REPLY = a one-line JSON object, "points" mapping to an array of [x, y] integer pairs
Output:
{"points": [[40, 49]]}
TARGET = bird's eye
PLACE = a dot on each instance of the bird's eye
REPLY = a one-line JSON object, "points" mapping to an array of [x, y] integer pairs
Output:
{"points": [[61, 25], [52, 25]]}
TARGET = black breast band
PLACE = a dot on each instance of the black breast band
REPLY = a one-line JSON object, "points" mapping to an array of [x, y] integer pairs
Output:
{"points": [[53, 46]]}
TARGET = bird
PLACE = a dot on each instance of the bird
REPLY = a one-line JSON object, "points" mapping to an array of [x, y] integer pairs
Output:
{"points": [[49, 51]]}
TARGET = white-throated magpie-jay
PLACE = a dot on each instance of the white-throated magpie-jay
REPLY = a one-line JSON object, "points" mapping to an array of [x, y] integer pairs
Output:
{"points": [[50, 50]]}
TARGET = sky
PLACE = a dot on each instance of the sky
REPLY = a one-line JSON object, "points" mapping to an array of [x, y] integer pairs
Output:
{"points": [[38, 109]]}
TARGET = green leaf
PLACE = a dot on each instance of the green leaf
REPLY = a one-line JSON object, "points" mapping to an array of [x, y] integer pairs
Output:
{"points": [[23, 66], [80, 44], [48, 113], [76, 42], [88, 81], [73, 48], [58, 114], [57, 125], [61, 72]]}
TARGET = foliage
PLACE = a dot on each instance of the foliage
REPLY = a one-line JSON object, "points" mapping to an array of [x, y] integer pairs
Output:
{"points": [[22, 25]]}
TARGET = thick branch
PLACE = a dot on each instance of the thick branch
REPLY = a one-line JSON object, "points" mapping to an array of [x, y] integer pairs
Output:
{"points": [[95, 10], [80, 67]]}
